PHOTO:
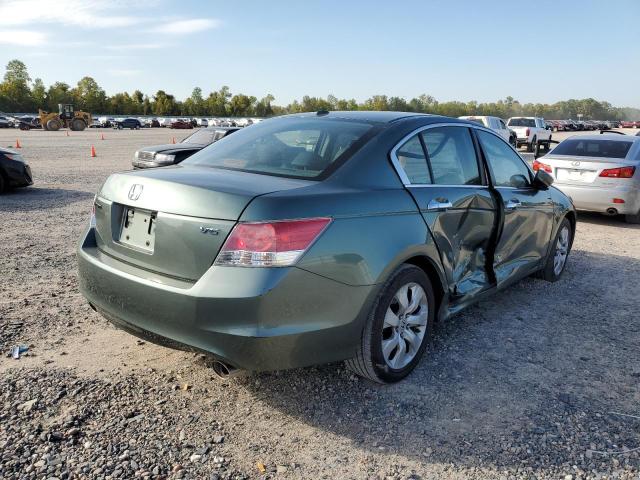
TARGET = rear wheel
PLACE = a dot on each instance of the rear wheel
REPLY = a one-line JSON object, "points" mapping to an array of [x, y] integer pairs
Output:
{"points": [[557, 259], [397, 329], [3, 183], [78, 125], [531, 146]]}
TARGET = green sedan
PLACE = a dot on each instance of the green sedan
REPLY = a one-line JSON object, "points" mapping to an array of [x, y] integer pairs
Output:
{"points": [[321, 237]]}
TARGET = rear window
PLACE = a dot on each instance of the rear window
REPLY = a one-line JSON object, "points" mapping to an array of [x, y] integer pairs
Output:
{"points": [[593, 148], [477, 120], [296, 147], [522, 122], [203, 137]]}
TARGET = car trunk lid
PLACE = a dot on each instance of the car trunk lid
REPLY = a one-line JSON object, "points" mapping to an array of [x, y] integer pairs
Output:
{"points": [[580, 170], [174, 220]]}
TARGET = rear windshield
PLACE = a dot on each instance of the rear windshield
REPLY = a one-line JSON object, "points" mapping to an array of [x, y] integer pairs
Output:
{"points": [[593, 148], [477, 120], [522, 122], [202, 137], [296, 147]]}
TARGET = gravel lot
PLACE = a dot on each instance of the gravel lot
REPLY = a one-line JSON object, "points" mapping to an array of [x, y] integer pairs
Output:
{"points": [[541, 381]]}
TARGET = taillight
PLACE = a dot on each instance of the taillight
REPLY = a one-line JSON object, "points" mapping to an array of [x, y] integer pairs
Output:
{"points": [[622, 172], [272, 244], [527, 132], [539, 165]]}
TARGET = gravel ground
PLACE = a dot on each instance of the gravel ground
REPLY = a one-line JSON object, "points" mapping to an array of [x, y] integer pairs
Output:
{"points": [[540, 381]]}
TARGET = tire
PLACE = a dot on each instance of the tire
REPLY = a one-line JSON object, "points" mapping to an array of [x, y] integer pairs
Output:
{"points": [[77, 125], [550, 272], [513, 142], [371, 362], [634, 219], [3, 184], [531, 146], [54, 125]]}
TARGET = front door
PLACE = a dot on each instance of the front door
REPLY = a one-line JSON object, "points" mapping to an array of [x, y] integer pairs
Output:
{"points": [[525, 211], [443, 176]]}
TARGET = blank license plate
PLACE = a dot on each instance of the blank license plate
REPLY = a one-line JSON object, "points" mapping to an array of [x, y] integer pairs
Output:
{"points": [[575, 175], [138, 229]]}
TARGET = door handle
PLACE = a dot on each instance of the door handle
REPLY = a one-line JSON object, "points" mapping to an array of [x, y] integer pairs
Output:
{"points": [[439, 204], [513, 204]]}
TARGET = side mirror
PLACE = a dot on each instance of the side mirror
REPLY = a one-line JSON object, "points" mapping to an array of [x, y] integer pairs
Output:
{"points": [[542, 180]]}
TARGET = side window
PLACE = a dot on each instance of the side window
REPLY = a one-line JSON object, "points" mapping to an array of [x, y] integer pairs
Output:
{"points": [[452, 156], [413, 161], [507, 167]]}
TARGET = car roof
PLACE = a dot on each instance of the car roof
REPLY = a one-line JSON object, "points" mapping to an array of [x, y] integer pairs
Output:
{"points": [[384, 117]]}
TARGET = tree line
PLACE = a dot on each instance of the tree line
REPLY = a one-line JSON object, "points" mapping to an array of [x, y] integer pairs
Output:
{"points": [[18, 93]]}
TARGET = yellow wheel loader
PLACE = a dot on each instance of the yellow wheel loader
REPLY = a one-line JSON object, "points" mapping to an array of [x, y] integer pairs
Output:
{"points": [[66, 117]]}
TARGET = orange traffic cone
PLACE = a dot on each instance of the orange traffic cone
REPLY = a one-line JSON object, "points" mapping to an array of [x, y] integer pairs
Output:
{"points": [[20, 146], [102, 136], [93, 151], [173, 140]]}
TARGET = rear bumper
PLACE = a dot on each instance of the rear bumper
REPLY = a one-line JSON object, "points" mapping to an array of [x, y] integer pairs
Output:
{"points": [[599, 199], [255, 319], [18, 173]]}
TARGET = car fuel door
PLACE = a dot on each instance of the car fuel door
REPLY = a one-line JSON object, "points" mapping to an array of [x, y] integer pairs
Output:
{"points": [[525, 212], [458, 208]]}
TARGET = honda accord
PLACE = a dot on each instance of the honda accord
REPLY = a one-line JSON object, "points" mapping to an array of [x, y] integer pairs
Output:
{"points": [[321, 237]]}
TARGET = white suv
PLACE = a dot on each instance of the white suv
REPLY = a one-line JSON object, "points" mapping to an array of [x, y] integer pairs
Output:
{"points": [[496, 124], [529, 131]]}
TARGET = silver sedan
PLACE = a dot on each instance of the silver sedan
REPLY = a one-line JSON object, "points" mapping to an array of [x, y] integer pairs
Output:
{"points": [[601, 173]]}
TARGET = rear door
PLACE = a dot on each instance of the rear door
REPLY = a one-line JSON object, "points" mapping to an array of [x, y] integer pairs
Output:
{"points": [[442, 173], [525, 213]]}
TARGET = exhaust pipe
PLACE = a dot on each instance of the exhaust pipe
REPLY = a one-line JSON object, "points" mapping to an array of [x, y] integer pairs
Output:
{"points": [[612, 211], [224, 371]]}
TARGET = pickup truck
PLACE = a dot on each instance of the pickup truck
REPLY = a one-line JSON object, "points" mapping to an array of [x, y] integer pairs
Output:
{"points": [[529, 131]]}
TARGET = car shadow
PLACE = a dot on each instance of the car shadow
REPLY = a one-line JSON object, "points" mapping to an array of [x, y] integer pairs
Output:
{"points": [[616, 221], [38, 198], [526, 378]]}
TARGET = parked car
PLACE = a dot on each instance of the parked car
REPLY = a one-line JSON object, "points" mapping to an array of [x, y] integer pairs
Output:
{"points": [[496, 124], [181, 124], [96, 123], [26, 122], [629, 124], [5, 122], [131, 123], [601, 173], [14, 170], [171, 154], [311, 238], [530, 130], [154, 123]]}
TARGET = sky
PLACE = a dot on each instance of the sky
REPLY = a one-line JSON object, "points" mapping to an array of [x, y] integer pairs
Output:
{"points": [[542, 51]]}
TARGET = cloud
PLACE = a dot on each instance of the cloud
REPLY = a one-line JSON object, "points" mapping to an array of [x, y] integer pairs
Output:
{"points": [[123, 72], [184, 27], [27, 38], [134, 46], [81, 13]]}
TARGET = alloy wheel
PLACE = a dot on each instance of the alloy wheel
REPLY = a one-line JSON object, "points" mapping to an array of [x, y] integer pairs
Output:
{"points": [[562, 250], [404, 326]]}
